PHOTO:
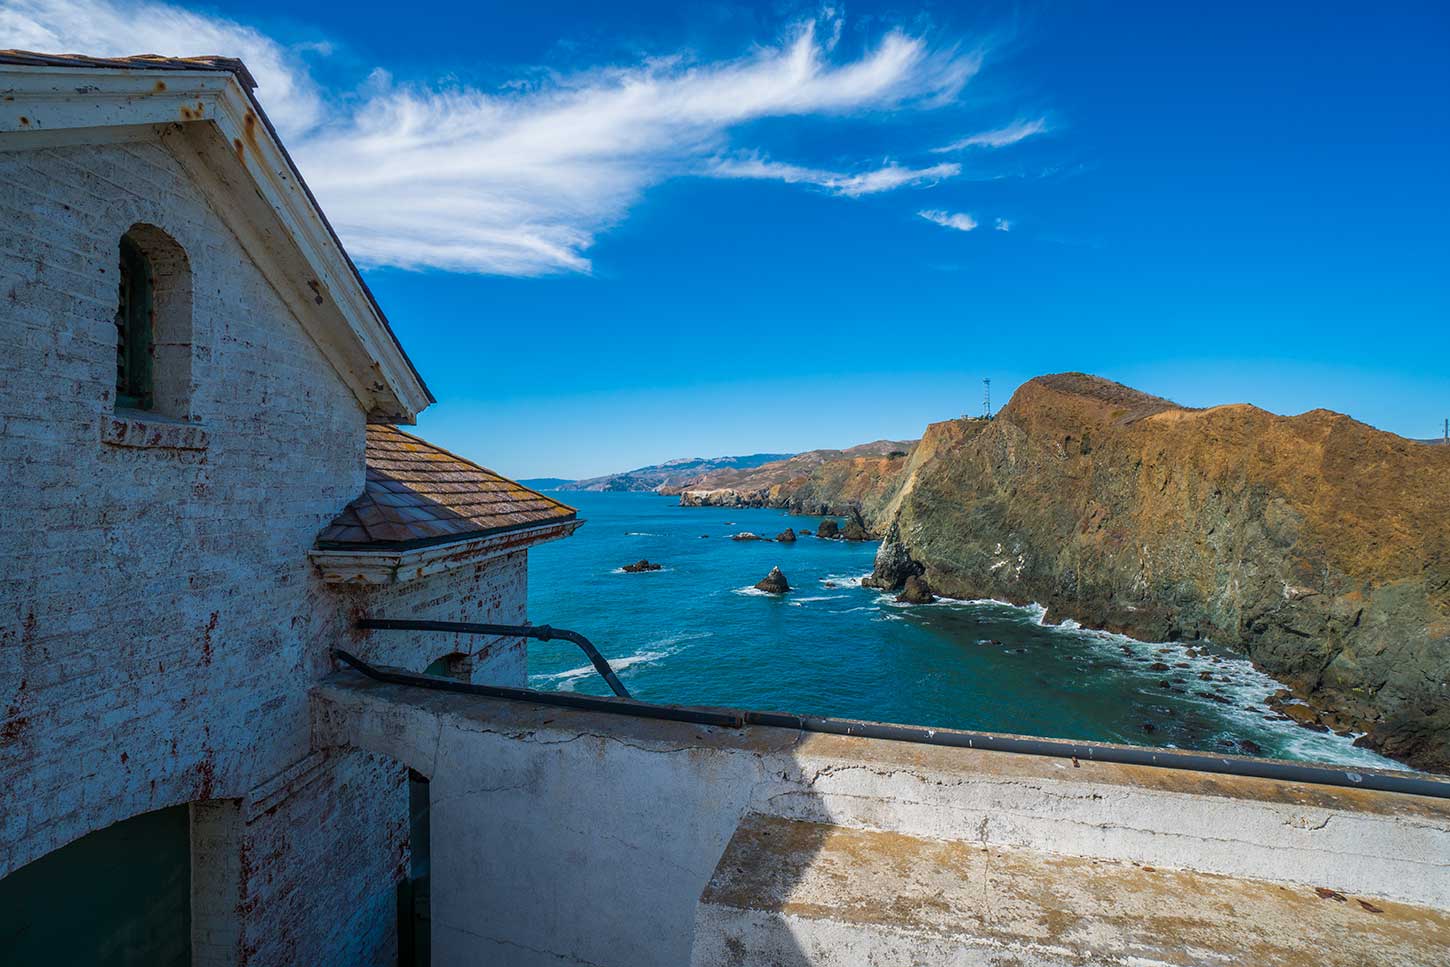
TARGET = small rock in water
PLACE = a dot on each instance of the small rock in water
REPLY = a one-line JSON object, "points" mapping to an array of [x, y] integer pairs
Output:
{"points": [[916, 591], [1148, 727], [747, 536], [1250, 746], [803, 532], [829, 528], [704, 536], [641, 565], [774, 583], [786, 536], [828, 584], [1158, 666]]}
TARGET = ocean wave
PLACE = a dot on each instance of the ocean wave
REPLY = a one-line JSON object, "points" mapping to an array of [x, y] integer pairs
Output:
{"points": [[653, 651], [641, 534], [845, 580]]}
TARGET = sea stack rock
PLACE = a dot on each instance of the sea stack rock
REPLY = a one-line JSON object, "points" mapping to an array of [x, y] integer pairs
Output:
{"points": [[828, 529], [916, 591], [855, 531], [774, 583], [641, 565], [786, 536], [894, 564]]}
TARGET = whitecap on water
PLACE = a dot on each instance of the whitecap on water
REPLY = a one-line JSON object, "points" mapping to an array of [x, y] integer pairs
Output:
{"points": [[653, 651]]}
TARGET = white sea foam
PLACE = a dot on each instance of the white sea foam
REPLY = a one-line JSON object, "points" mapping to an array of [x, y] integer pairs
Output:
{"points": [[639, 534], [653, 651], [845, 580], [755, 592]]}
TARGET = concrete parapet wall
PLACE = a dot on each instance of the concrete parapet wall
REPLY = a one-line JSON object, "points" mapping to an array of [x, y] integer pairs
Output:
{"points": [[587, 838]]}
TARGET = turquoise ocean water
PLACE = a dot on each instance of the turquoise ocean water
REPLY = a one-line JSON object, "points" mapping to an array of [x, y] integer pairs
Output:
{"points": [[696, 633]]}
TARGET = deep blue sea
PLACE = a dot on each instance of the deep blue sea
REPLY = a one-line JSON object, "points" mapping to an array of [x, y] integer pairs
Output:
{"points": [[697, 633]]}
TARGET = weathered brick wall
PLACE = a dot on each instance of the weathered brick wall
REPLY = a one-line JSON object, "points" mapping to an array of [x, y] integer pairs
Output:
{"points": [[160, 623]]}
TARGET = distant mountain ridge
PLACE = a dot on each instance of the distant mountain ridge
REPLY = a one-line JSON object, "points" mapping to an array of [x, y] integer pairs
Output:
{"points": [[671, 474], [547, 483], [814, 482]]}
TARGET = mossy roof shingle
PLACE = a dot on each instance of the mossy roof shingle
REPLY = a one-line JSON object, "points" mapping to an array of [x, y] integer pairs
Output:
{"points": [[417, 493]]}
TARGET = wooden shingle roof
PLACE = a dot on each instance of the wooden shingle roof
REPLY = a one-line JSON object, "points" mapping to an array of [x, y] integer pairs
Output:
{"points": [[418, 494]]}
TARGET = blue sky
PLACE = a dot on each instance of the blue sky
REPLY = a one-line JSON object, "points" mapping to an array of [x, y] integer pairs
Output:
{"points": [[613, 236]]}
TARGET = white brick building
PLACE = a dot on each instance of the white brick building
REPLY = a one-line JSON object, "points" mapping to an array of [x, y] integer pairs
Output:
{"points": [[176, 431]]}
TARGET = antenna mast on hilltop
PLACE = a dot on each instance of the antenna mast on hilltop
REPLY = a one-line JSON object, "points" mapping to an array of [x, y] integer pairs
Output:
{"points": [[986, 399]]}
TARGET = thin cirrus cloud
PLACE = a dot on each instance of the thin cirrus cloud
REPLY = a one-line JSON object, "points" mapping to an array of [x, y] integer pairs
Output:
{"points": [[999, 138], [886, 178], [960, 221], [521, 180]]}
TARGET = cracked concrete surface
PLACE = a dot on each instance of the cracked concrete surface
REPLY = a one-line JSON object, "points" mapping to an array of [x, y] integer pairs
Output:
{"points": [[793, 893]]}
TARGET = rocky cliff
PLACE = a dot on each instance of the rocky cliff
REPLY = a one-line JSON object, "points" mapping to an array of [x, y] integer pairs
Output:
{"points": [[1316, 544], [816, 482]]}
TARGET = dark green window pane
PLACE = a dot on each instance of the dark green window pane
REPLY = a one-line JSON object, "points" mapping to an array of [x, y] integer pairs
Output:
{"points": [[133, 329]]}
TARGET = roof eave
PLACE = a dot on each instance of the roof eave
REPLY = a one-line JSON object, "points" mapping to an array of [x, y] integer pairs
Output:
{"points": [[369, 564], [48, 104]]}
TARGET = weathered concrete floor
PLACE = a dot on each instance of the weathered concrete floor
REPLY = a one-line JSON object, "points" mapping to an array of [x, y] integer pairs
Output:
{"points": [[792, 893]]}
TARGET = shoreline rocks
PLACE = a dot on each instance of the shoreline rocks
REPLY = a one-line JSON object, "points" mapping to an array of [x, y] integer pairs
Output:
{"points": [[774, 582], [894, 563], [916, 591]]}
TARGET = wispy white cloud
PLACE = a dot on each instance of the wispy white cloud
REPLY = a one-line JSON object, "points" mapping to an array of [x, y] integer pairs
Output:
{"points": [[1000, 138], [960, 221], [520, 180], [1003, 225], [871, 182]]}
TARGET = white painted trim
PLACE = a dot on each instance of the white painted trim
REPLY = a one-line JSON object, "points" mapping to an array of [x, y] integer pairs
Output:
{"points": [[399, 567], [208, 110]]}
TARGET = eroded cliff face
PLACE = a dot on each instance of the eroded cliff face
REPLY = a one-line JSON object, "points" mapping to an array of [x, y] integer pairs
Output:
{"points": [[821, 482], [1318, 545]]}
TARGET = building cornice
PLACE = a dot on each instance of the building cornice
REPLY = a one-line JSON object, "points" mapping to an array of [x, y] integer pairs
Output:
{"points": [[369, 566]]}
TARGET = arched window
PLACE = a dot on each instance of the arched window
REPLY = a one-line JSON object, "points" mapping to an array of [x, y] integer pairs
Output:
{"points": [[133, 328], [153, 324]]}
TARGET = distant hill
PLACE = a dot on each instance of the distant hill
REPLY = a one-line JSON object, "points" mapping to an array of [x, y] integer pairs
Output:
{"points": [[671, 474], [547, 483], [814, 482]]}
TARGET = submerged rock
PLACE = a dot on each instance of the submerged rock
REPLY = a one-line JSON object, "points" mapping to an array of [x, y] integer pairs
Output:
{"points": [[748, 536], [916, 591], [828, 529], [774, 582], [641, 565], [786, 536]]}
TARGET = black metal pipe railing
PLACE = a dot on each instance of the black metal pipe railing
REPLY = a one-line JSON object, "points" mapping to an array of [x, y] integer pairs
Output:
{"points": [[1379, 780], [539, 632]]}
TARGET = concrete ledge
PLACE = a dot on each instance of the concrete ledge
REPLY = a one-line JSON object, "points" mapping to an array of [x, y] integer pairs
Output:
{"points": [[793, 893], [586, 837]]}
